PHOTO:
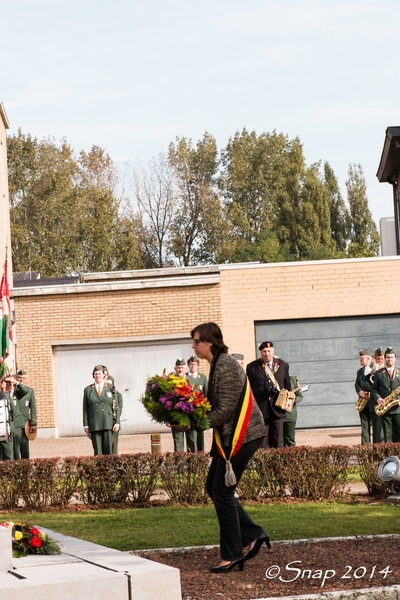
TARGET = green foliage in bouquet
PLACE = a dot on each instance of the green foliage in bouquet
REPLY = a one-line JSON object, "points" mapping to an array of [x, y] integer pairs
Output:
{"points": [[171, 399], [30, 540]]}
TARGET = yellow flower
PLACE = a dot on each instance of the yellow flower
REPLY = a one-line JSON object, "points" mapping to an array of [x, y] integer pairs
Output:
{"points": [[18, 536]]}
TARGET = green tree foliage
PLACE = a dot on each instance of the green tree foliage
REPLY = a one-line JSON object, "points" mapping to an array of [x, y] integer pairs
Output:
{"points": [[364, 237], [198, 225], [254, 174], [339, 214], [65, 217], [257, 200]]}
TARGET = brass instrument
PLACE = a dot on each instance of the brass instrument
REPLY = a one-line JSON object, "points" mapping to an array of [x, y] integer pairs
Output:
{"points": [[390, 401], [362, 403]]}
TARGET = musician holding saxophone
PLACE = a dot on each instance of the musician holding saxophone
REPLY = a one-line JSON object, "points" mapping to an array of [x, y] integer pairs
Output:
{"points": [[386, 393], [363, 387]]}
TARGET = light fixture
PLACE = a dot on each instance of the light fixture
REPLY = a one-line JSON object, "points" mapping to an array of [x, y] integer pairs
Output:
{"points": [[389, 472]]}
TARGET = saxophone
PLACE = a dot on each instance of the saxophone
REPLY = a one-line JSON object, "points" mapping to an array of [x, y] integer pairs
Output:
{"points": [[389, 401], [361, 403]]}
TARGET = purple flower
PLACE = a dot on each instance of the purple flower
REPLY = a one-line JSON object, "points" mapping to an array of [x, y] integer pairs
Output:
{"points": [[154, 386], [168, 405], [169, 395], [162, 400]]}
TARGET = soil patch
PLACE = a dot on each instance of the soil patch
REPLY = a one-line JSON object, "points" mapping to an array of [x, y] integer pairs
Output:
{"points": [[305, 567]]}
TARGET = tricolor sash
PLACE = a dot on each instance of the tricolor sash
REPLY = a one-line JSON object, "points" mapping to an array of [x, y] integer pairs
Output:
{"points": [[238, 431]]}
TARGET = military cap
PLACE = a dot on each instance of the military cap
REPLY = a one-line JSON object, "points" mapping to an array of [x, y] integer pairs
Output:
{"points": [[366, 353], [238, 356], [390, 350], [379, 351], [193, 358], [180, 361], [21, 372], [265, 345]]}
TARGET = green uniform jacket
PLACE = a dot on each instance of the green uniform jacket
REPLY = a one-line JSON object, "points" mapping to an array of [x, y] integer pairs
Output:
{"points": [[98, 410], [17, 418], [200, 381], [27, 403], [363, 383], [291, 416], [383, 387]]}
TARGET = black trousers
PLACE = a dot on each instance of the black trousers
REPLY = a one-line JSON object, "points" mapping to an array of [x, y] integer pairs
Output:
{"points": [[273, 431], [237, 529]]}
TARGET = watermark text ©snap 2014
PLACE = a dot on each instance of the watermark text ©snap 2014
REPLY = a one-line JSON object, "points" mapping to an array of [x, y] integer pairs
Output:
{"points": [[290, 573]]}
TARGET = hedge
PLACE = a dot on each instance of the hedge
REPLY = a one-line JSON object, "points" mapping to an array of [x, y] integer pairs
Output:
{"points": [[134, 479]]}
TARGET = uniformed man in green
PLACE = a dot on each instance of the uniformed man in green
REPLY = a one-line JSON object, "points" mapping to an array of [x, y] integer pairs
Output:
{"points": [[17, 418], [26, 402], [385, 382], [98, 421], [177, 435], [6, 446], [289, 423], [117, 409], [363, 386], [200, 381]]}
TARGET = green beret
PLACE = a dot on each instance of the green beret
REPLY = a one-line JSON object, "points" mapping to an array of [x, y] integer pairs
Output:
{"points": [[21, 372], [238, 356], [390, 351], [366, 353], [379, 351], [180, 362], [193, 358]]}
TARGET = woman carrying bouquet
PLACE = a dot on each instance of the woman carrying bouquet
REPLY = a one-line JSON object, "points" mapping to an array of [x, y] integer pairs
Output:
{"points": [[238, 432]]}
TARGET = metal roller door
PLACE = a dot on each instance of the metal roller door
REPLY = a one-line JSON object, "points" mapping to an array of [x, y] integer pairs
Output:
{"points": [[129, 364], [324, 354]]}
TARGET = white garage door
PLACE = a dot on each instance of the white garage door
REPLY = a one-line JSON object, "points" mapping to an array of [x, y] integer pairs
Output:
{"points": [[129, 364], [324, 354]]}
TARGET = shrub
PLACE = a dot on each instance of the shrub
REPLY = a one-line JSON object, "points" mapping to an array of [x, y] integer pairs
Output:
{"points": [[183, 476]]}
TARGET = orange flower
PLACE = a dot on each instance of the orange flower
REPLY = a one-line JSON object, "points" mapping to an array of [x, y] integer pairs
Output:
{"points": [[185, 390]]}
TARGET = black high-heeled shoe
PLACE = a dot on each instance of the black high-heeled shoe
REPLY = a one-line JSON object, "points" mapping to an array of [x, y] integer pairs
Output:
{"points": [[264, 539], [229, 566]]}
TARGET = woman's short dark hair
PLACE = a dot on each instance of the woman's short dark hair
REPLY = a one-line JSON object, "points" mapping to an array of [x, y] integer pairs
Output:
{"points": [[211, 332]]}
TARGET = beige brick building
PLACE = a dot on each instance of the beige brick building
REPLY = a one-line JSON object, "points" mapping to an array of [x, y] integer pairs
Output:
{"points": [[319, 314]]}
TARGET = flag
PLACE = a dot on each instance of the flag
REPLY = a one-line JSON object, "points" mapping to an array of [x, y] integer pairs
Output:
{"points": [[6, 337]]}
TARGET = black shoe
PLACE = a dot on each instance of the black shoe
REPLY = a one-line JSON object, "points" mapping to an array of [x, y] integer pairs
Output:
{"points": [[229, 566], [264, 539]]}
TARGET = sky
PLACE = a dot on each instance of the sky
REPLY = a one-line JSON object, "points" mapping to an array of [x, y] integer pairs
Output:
{"points": [[131, 75]]}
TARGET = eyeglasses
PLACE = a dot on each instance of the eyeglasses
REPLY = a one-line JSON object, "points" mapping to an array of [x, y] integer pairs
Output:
{"points": [[197, 341]]}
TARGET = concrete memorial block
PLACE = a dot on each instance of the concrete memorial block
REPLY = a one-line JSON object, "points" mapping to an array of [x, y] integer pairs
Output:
{"points": [[84, 571], [6, 562]]}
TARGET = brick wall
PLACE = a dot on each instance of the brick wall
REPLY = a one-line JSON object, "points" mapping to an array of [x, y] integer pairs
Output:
{"points": [[106, 314], [252, 293]]}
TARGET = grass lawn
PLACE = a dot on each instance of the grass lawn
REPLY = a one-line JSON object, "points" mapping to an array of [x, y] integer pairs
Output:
{"points": [[165, 527]]}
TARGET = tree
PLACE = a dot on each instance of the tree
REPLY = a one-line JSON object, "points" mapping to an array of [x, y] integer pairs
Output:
{"points": [[197, 228], [254, 175], [364, 237], [339, 214], [65, 216], [156, 204], [43, 205]]}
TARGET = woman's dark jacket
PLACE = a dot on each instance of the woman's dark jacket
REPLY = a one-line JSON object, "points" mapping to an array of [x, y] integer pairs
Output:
{"points": [[224, 390]]}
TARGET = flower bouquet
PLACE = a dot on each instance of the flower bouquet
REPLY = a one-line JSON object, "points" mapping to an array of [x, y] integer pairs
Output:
{"points": [[29, 540], [171, 399]]}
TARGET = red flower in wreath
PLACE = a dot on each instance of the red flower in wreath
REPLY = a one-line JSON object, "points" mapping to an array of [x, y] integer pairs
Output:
{"points": [[36, 542], [34, 531]]}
